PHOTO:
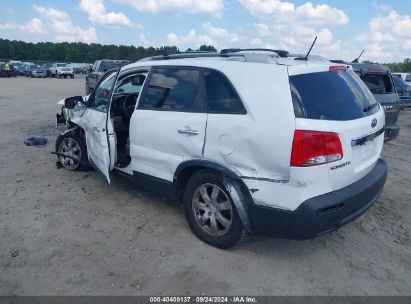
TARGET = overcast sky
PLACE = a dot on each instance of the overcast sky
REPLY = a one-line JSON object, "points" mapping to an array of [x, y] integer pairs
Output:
{"points": [[344, 27]]}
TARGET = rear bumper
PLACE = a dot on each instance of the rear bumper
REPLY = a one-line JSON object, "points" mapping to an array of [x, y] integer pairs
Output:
{"points": [[323, 213], [391, 132]]}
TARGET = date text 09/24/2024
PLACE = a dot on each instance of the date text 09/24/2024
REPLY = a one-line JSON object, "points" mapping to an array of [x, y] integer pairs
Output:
{"points": [[203, 299]]}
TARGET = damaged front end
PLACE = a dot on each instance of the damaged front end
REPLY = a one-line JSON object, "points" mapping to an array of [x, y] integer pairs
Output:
{"points": [[71, 109]]}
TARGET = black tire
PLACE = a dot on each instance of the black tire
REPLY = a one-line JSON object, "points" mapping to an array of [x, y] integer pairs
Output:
{"points": [[83, 164], [72, 76], [235, 230]]}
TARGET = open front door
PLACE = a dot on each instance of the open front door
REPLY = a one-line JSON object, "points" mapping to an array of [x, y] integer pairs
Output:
{"points": [[97, 126]]}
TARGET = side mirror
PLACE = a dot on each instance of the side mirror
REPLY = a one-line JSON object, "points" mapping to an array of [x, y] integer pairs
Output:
{"points": [[71, 102], [90, 69]]}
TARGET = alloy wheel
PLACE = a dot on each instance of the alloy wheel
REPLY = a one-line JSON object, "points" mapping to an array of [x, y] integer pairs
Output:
{"points": [[68, 146], [212, 209]]}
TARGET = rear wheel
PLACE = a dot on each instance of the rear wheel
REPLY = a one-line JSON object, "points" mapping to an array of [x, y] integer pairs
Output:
{"points": [[72, 152], [210, 211]]}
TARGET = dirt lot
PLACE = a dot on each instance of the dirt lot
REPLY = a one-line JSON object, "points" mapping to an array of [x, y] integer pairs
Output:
{"points": [[69, 233]]}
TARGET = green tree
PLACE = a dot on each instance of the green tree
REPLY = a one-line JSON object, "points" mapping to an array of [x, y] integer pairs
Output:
{"points": [[207, 48]]}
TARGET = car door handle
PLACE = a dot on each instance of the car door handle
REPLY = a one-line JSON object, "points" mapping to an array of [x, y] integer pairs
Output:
{"points": [[96, 129], [187, 130]]}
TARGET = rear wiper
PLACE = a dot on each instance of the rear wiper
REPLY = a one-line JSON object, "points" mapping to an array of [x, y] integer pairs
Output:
{"points": [[370, 107]]}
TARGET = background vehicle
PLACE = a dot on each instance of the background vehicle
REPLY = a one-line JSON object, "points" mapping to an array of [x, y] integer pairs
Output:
{"points": [[21, 70], [61, 70], [35, 70], [405, 76], [293, 151], [378, 79], [46, 67], [98, 69], [403, 89]]}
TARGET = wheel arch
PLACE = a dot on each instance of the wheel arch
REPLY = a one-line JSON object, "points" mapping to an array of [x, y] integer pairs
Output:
{"points": [[237, 189], [74, 129]]}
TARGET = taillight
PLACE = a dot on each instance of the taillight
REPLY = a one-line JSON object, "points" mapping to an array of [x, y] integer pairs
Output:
{"points": [[337, 68], [313, 148]]}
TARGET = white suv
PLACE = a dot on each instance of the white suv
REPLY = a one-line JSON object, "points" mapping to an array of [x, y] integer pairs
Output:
{"points": [[253, 142], [61, 70]]}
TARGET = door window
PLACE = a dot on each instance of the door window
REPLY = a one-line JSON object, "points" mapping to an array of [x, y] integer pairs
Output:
{"points": [[221, 96], [174, 89], [101, 97]]}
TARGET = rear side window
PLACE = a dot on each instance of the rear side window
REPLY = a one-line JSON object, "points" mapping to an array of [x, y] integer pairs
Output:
{"points": [[174, 89], [408, 78], [221, 96], [337, 95], [378, 83]]}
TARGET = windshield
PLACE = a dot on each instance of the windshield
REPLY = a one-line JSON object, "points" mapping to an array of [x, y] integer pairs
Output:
{"points": [[378, 83], [61, 65], [131, 84], [337, 95]]}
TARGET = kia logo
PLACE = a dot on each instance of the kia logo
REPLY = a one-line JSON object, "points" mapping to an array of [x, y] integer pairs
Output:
{"points": [[373, 123]]}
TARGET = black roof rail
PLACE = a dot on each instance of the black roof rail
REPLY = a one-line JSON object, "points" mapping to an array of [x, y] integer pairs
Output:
{"points": [[280, 53], [337, 61], [195, 54]]}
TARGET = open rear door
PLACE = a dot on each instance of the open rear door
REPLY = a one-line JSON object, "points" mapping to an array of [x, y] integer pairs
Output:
{"points": [[98, 126]]}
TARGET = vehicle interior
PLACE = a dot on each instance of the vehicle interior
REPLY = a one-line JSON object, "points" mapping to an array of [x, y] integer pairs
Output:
{"points": [[378, 83], [124, 101]]}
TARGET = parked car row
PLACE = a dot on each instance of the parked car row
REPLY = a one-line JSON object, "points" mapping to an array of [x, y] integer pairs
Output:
{"points": [[29, 69], [293, 151]]}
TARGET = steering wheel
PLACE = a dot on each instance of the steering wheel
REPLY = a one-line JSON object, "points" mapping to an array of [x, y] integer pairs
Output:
{"points": [[129, 103]]}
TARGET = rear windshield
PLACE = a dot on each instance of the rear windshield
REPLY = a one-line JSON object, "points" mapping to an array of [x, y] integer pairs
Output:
{"points": [[378, 83], [337, 95]]}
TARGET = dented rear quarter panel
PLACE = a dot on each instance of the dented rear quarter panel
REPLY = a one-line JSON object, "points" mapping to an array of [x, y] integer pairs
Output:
{"points": [[256, 144]]}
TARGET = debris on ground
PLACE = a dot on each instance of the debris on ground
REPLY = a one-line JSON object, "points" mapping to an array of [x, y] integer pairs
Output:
{"points": [[35, 141]]}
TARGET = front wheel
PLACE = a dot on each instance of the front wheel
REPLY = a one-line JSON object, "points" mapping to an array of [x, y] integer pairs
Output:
{"points": [[72, 152], [210, 211]]}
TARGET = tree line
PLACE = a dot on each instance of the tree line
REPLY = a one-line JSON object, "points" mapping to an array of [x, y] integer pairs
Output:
{"points": [[80, 52], [83, 52]]}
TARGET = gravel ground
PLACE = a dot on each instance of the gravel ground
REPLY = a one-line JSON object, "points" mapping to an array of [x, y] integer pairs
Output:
{"points": [[69, 233]]}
